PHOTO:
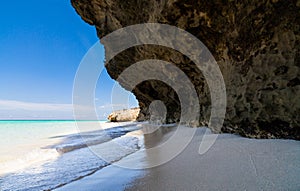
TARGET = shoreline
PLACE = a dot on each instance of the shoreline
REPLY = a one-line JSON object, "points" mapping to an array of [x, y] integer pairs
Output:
{"points": [[232, 163], [43, 152], [102, 180]]}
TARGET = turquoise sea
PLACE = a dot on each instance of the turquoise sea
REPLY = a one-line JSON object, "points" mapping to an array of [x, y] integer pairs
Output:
{"points": [[43, 155]]}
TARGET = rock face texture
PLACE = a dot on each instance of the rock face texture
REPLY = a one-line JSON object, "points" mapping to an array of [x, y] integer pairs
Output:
{"points": [[124, 115], [255, 43]]}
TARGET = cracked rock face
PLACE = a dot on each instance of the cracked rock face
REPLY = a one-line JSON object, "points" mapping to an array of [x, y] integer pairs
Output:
{"points": [[256, 45]]}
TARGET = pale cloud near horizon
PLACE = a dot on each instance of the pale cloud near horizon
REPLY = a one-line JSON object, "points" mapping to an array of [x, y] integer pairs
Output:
{"points": [[30, 106], [13, 109]]}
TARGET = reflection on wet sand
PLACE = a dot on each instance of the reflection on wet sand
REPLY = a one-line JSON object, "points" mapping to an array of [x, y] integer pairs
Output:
{"points": [[155, 135]]}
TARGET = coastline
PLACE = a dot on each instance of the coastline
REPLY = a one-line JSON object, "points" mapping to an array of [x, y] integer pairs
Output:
{"points": [[232, 163], [35, 149], [43, 172]]}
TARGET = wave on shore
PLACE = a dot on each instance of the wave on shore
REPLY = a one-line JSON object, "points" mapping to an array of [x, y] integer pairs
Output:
{"points": [[74, 159]]}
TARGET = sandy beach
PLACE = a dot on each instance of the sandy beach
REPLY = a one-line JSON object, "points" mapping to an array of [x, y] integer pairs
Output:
{"points": [[232, 163], [153, 95]]}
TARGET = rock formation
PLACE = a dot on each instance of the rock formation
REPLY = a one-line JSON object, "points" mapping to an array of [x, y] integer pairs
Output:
{"points": [[255, 43], [124, 115]]}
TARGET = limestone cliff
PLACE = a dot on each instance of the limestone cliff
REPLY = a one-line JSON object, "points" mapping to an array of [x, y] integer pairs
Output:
{"points": [[255, 43], [124, 115]]}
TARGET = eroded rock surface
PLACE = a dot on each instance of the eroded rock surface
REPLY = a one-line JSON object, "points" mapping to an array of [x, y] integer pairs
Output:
{"points": [[124, 115], [255, 43]]}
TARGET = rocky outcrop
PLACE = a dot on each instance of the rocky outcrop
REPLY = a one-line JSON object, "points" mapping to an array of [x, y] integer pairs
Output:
{"points": [[124, 115], [255, 43]]}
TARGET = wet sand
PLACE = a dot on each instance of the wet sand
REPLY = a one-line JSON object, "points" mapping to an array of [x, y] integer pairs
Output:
{"points": [[232, 163]]}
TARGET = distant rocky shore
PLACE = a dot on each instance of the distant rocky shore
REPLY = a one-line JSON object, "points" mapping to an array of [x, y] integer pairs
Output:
{"points": [[124, 115]]}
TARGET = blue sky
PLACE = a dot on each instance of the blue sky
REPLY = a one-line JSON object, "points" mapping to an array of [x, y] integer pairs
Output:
{"points": [[41, 46]]}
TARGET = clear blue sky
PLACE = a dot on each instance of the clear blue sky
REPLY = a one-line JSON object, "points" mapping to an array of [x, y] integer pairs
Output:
{"points": [[41, 46]]}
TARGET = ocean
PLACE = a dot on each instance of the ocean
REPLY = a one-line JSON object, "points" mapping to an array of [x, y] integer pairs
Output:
{"points": [[43, 155]]}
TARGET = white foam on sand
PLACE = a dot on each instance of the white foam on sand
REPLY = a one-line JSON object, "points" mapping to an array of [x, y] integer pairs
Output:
{"points": [[29, 144], [232, 163], [35, 157]]}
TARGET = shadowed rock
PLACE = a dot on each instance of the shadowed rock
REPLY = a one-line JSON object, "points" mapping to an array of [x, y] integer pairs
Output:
{"points": [[255, 43]]}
